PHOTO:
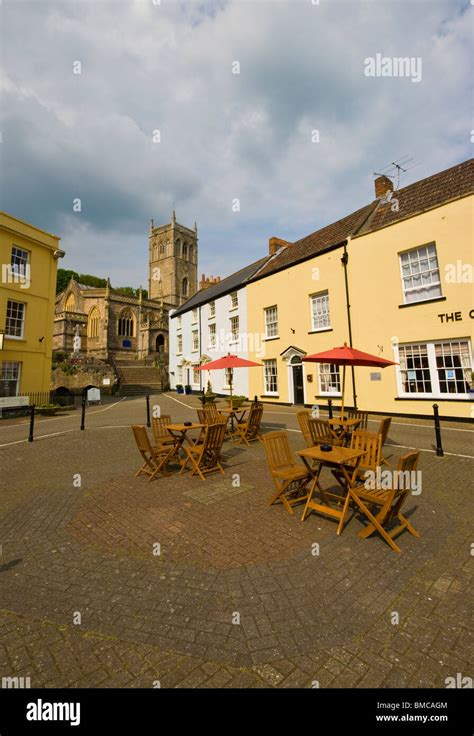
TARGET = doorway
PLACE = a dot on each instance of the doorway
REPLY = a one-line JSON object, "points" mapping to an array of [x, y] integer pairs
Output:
{"points": [[298, 386], [160, 343]]}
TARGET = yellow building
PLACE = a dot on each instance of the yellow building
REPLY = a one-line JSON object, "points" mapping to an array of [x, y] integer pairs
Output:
{"points": [[404, 265], [28, 261]]}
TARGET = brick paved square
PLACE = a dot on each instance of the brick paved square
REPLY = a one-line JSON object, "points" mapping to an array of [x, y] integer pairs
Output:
{"points": [[111, 581]]}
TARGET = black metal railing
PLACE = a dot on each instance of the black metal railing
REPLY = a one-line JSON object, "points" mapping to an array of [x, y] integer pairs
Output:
{"points": [[42, 398]]}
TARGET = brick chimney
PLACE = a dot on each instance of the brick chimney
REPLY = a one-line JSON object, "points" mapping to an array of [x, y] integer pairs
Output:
{"points": [[382, 185], [275, 243], [207, 281]]}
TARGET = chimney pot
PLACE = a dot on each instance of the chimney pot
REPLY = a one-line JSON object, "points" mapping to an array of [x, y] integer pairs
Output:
{"points": [[275, 243], [382, 185]]}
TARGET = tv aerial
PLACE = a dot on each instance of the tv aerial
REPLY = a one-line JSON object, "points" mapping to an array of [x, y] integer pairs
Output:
{"points": [[396, 168]]}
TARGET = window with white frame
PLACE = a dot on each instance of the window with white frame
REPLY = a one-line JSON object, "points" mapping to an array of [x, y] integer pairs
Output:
{"points": [[212, 335], [435, 369], [229, 376], [10, 378], [234, 300], [420, 274], [271, 321], [234, 329], [180, 375], [329, 379], [195, 339], [15, 321], [179, 344], [196, 375], [320, 317], [20, 259], [194, 316], [178, 322], [212, 309], [270, 375]]}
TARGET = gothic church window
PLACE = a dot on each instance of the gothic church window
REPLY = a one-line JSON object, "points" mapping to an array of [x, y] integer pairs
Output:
{"points": [[93, 323], [184, 288], [185, 250], [70, 305], [126, 324]]}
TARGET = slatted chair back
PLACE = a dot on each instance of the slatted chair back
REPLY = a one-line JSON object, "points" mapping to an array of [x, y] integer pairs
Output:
{"points": [[370, 444], [362, 416], [158, 425], [384, 428], [213, 439], [254, 422], [320, 431], [303, 418], [209, 415], [277, 450], [143, 442]]}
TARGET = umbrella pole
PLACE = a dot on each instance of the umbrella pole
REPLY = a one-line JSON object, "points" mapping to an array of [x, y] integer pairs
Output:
{"points": [[230, 386], [343, 390]]}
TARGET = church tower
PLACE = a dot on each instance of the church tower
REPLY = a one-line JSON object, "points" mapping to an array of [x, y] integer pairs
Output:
{"points": [[173, 258]]}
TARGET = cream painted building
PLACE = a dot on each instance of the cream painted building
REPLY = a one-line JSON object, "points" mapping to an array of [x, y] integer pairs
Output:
{"points": [[404, 265], [28, 258]]}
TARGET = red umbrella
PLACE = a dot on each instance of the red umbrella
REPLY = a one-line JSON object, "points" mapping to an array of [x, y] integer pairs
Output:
{"points": [[346, 355], [228, 362]]}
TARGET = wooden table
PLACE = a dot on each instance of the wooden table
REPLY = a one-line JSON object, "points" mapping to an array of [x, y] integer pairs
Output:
{"points": [[338, 457], [179, 434], [343, 426], [233, 413]]}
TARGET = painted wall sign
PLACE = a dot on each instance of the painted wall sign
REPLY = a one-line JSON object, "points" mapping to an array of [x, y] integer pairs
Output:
{"points": [[375, 376], [453, 316]]}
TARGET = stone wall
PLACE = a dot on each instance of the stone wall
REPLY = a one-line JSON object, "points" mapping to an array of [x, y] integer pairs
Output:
{"points": [[85, 376]]}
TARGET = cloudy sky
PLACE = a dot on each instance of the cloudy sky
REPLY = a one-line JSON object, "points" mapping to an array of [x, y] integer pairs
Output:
{"points": [[148, 65]]}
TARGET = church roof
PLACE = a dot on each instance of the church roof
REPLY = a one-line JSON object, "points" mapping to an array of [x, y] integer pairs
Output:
{"points": [[225, 286]]}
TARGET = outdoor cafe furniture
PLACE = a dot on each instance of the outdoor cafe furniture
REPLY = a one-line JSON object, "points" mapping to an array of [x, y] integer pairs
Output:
{"points": [[337, 458], [343, 427], [362, 416], [249, 431], [383, 432], [370, 445], [158, 425], [156, 458], [316, 431], [179, 434], [236, 414], [389, 499], [204, 455], [290, 478], [208, 415]]}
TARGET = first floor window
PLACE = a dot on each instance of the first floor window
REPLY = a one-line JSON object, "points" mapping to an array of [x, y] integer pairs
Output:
{"points": [[320, 311], [180, 374], [212, 336], [234, 328], [270, 376], [9, 379], [435, 369], [179, 344], [420, 274], [20, 260], [329, 379], [271, 322], [15, 319], [196, 375], [195, 340], [229, 376]]}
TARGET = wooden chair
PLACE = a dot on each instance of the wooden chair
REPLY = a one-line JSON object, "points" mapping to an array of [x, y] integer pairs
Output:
{"points": [[205, 454], [158, 425], [390, 500], [303, 418], [383, 431], [290, 478], [208, 414], [249, 431], [371, 445], [362, 416], [155, 457], [321, 433]]}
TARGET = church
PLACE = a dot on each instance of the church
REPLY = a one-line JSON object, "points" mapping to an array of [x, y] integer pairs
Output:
{"points": [[115, 326]]}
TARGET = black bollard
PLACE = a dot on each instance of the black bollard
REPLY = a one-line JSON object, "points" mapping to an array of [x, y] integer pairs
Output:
{"points": [[439, 446], [203, 397], [330, 408], [148, 423], [32, 423], [83, 414]]}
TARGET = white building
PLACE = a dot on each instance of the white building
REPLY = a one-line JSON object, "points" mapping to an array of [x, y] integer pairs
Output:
{"points": [[208, 326]]}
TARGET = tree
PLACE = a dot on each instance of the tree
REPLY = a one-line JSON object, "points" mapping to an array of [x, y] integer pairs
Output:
{"points": [[63, 278]]}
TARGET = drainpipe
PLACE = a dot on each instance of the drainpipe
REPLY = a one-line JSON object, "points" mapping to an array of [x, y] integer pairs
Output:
{"points": [[200, 349], [344, 261]]}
